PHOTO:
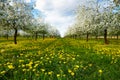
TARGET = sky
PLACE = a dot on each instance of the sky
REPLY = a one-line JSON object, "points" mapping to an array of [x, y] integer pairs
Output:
{"points": [[58, 13]]}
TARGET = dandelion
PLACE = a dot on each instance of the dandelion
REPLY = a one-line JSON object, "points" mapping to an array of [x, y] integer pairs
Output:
{"points": [[21, 54], [37, 74], [72, 73], [42, 70], [23, 65], [30, 67], [30, 62], [76, 66], [2, 50], [8, 63], [34, 70], [64, 75], [20, 61], [36, 65], [58, 75], [2, 72], [73, 59], [100, 71], [69, 70], [50, 72], [89, 65], [10, 67], [47, 58], [24, 70]]}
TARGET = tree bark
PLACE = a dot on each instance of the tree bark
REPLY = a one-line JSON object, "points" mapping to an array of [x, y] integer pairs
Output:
{"points": [[43, 36], [105, 36], [7, 36], [36, 35], [117, 36], [15, 36], [96, 37], [87, 36]]}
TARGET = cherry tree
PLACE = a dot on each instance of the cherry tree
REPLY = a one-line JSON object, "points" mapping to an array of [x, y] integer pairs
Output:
{"points": [[17, 15]]}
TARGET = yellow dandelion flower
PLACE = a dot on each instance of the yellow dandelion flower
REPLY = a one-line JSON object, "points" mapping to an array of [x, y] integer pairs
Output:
{"points": [[10, 66], [69, 70], [30, 62], [2, 50], [47, 58], [36, 65], [58, 75], [90, 65], [23, 65], [42, 70], [50, 72], [8, 63], [24, 70], [34, 70], [30, 67], [73, 58], [72, 73], [100, 71], [76, 66], [20, 61], [2, 72], [64, 75], [37, 74], [21, 54]]}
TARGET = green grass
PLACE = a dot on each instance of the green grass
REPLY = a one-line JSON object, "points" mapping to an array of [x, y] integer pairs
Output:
{"points": [[59, 59]]}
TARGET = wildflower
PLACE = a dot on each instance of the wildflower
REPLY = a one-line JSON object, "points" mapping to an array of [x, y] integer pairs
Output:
{"points": [[36, 65], [21, 54], [23, 65], [90, 65], [37, 74], [30, 62], [50, 72], [20, 61], [23, 69], [73, 58], [69, 71], [100, 71], [76, 66], [58, 75], [10, 67], [64, 75], [72, 73], [2, 72], [30, 67], [42, 70], [34, 70], [2, 50]]}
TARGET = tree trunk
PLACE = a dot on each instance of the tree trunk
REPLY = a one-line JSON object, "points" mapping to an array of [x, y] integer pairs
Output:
{"points": [[87, 36], [96, 37], [36, 35], [7, 36], [117, 36], [15, 36], [105, 36], [43, 36]]}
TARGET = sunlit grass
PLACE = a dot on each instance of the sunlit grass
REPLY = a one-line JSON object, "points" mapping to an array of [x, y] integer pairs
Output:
{"points": [[59, 59]]}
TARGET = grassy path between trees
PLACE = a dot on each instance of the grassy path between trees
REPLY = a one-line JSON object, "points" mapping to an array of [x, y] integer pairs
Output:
{"points": [[59, 59]]}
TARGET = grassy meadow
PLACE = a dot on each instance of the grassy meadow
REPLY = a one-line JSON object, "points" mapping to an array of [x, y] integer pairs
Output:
{"points": [[59, 59]]}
